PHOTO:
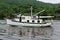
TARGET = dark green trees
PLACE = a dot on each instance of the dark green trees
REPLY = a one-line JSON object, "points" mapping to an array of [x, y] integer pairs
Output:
{"points": [[10, 7]]}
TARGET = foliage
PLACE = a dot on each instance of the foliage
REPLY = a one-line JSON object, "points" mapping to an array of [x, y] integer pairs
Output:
{"points": [[10, 7]]}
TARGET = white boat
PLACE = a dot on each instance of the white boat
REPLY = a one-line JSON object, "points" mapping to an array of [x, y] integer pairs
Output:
{"points": [[28, 21], [31, 21]]}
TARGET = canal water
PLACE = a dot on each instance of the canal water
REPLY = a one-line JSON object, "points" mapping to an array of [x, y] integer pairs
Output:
{"points": [[48, 32]]}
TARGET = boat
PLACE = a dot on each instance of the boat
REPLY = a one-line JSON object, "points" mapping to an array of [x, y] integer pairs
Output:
{"points": [[31, 20]]}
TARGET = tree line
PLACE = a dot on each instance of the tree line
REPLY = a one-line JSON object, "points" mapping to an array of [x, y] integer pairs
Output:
{"points": [[10, 7]]}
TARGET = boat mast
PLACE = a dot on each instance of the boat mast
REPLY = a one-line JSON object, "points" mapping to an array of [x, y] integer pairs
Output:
{"points": [[39, 12], [31, 11]]}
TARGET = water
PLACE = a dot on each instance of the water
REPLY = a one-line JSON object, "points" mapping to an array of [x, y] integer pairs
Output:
{"points": [[56, 33], [48, 32]]}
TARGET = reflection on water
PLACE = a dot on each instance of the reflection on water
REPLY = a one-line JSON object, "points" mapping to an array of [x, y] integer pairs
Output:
{"points": [[47, 32], [44, 33]]}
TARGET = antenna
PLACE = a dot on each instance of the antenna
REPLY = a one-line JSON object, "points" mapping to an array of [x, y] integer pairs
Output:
{"points": [[39, 12], [31, 11]]}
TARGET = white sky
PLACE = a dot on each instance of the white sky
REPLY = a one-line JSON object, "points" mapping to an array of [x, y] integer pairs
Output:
{"points": [[50, 1]]}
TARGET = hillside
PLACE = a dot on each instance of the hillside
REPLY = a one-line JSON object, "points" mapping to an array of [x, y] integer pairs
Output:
{"points": [[10, 7]]}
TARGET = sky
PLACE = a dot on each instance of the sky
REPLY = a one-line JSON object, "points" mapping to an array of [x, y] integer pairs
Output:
{"points": [[50, 1]]}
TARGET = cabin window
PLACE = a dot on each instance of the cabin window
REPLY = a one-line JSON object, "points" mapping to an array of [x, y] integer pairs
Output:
{"points": [[38, 21], [23, 17], [27, 20], [34, 16], [20, 19], [33, 21]]}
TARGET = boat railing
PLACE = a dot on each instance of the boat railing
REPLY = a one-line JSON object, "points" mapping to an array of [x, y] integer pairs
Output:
{"points": [[43, 22]]}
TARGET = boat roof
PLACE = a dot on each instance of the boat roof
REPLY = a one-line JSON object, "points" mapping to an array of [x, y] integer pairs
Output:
{"points": [[37, 16], [46, 16]]}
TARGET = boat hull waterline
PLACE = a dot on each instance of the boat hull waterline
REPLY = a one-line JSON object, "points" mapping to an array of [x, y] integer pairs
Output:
{"points": [[10, 22]]}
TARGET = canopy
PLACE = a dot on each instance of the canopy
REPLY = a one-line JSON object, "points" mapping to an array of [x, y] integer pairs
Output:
{"points": [[46, 16]]}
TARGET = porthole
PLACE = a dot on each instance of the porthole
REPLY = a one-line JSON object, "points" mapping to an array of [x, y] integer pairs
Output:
{"points": [[27, 20], [33, 21], [38, 21]]}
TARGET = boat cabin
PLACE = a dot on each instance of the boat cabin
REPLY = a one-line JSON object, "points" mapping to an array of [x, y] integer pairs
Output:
{"points": [[28, 19]]}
